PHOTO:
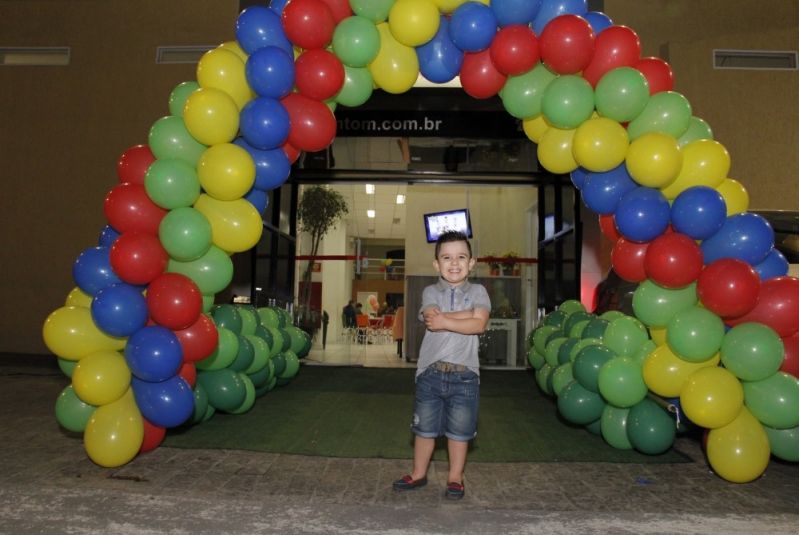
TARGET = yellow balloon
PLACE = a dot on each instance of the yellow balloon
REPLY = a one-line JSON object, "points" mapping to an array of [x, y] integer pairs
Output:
{"points": [[233, 46], [413, 22], [739, 451], [535, 128], [448, 6], [396, 67], [665, 373], [658, 335], [226, 171], [705, 162], [211, 116], [70, 333], [78, 298], [114, 432], [555, 151], [712, 397], [236, 226], [654, 160], [735, 195], [600, 144], [221, 68], [101, 377]]}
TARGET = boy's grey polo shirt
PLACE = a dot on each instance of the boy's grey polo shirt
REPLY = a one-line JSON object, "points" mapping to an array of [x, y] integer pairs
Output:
{"points": [[449, 346]]}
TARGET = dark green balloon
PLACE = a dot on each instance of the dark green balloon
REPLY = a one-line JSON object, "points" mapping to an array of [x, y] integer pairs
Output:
{"points": [[541, 336], [579, 405], [555, 318], [565, 350], [587, 364], [595, 427], [225, 389], [575, 318], [227, 316], [595, 328], [279, 361], [200, 404], [244, 356], [650, 429], [551, 353]]}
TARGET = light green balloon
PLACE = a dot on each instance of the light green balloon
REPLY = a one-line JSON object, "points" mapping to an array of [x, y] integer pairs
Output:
{"points": [[292, 365], [356, 41], [269, 317], [621, 94], [225, 352], [611, 315], [580, 345], [571, 306], [178, 96], [212, 272], [695, 334], [542, 378], [169, 138], [774, 400], [71, 412], [697, 129], [357, 88], [784, 443], [185, 234], [614, 427], [625, 335], [578, 328], [643, 351], [568, 101], [249, 319], [522, 95], [249, 395], [752, 351], [668, 112], [551, 351], [621, 382], [541, 336], [561, 377], [171, 183], [374, 10], [655, 305], [535, 358], [260, 351]]}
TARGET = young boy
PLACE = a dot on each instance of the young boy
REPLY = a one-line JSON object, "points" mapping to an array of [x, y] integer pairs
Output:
{"points": [[455, 311]]}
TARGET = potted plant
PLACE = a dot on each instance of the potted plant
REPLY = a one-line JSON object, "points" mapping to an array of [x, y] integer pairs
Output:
{"points": [[509, 265], [319, 210]]}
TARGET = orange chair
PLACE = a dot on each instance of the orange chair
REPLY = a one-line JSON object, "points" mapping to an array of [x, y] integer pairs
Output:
{"points": [[398, 329], [361, 335]]}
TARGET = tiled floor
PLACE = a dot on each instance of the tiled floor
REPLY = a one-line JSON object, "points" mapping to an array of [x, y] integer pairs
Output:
{"points": [[378, 354]]}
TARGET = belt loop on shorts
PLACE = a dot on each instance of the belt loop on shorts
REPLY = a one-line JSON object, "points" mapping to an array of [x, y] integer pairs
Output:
{"points": [[448, 367]]}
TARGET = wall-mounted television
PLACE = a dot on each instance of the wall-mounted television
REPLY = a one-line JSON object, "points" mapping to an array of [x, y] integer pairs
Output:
{"points": [[437, 223]]}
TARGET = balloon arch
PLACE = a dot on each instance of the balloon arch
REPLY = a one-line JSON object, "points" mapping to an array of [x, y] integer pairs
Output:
{"points": [[716, 325]]}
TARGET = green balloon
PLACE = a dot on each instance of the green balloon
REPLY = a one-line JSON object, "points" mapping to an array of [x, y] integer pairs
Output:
{"points": [[535, 358], [650, 429], [522, 95], [263, 332], [580, 345], [587, 364], [752, 351], [551, 352], [611, 315], [226, 391], [296, 339], [561, 377], [292, 365], [655, 305], [695, 334], [668, 112], [574, 318], [621, 382], [210, 410], [249, 319], [286, 339], [225, 352], [542, 379], [784, 443], [178, 96], [621, 94], [269, 317], [227, 316], [67, 366], [208, 303], [212, 272], [171, 183], [555, 318], [643, 351], [200, 404], [357, 88], [374, 10], [356, 41], [579, 405], [571, 306], [71, 412], [595, 328], [169, 138], [261, 377], [595, 427], [260, 353], [774, 400], [578, 328], [249, 395], [283, 317], [625, 335], [264, 389], [541, 336], [565, 350], [244, 356], [307, 347], [279, 361], [697, 129], [614, 427], [568, 101], [185, 234]]}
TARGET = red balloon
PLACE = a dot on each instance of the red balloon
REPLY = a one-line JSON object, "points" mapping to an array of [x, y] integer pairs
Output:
{"points": [[790, 363], [138, 257], [567, 44], [607, 224], [673, 260], [189, 373], [728, 287], [174, 301], [479, 77], [777, 306], [514, 49], [153, 436], [657, 72], [339, 8], [133, 164], [313, 125], [291, 152], [616, 46], [128, 208], [308, 23], [627, 258], [199, 339], [318, 74]]}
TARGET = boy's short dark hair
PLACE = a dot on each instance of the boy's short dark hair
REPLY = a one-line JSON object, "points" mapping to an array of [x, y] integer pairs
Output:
{"points": [[452, 235]]}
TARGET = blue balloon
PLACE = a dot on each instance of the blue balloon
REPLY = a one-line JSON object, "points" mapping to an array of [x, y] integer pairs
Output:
{"points": [[264, 123], [107, 236], [258, 198], [167, 403], [579, 176], [153, 353], [92, 270], [259, 26], [598, 21], [698, 212], [602, 191], [472, 27], [278, 5], [642, 214], [439, 59], [119, 309], [270, 72], [272, 167], [774, 265], [510, 12], [555, 8], [745, 236]]}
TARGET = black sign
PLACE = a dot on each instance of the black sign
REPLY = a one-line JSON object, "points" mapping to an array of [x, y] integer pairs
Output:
{"points": [[427, 123]]}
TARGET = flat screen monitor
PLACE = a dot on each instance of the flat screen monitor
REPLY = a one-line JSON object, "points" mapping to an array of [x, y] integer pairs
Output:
{"points": [[437, 223]]}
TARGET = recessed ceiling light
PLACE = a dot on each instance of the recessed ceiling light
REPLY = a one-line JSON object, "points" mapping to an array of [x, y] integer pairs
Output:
{"points": [[370, 189], [370, 213], [400, 198]]}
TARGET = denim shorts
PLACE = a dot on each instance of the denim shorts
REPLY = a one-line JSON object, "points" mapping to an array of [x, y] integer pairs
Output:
{"points": [[446, 404]]}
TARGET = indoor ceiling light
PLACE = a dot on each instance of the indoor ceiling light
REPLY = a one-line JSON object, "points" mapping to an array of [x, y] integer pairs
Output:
{"points": [[370, 189], [400, 198], [370, 213]]}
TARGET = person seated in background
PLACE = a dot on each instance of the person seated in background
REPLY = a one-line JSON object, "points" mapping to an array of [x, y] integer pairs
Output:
{"points": [[383, 310], [358, 309], [349, 315]]}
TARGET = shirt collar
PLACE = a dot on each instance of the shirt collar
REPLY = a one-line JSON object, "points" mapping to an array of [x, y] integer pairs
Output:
{"points": [[443, 285]]}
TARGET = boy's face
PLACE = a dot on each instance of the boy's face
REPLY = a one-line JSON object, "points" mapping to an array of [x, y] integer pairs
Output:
{"points": [[454, 262]]}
